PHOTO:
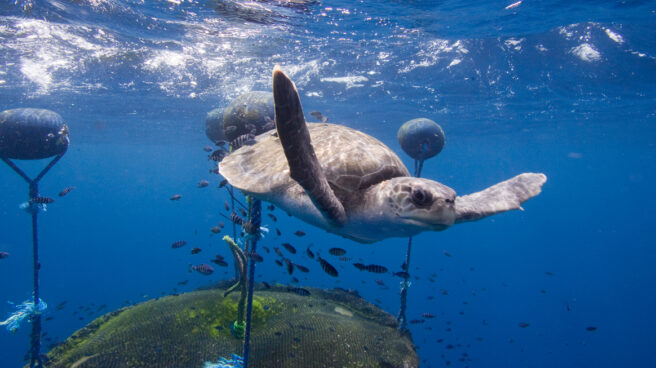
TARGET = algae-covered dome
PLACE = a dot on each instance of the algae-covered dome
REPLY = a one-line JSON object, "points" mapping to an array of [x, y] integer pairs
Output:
{"points": [[290, 329]]}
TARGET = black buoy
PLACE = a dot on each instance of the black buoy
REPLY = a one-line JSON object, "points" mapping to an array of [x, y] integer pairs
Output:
{"points": [[214, 126], [421, 139], [32, 134], [251, 113]]}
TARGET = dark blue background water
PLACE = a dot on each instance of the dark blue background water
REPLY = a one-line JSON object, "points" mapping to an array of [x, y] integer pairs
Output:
{"points": [[550, 86]]}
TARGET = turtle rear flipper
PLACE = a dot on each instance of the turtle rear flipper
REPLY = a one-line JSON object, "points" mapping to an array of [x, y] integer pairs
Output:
{"points": [[505, 196], [294, 136]]}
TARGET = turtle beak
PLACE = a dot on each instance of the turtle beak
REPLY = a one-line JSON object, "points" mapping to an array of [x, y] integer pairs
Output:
{"points": [[439, 216]]}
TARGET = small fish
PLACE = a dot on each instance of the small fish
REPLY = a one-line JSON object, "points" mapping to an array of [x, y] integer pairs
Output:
{"points": [[299, 233], [310, 253], [376, 268], [428, 315], [301, 268], [226, 206], [402, 274], [243, 212], [207, 149], [4, 255], [360, 266], [380, 282], [183, 282], [290, 248], [221, 224], [290, 266], [203, 183], [218, 155], [295, 280], [319, 116], [345, 259], [175, 197], [278, 262], [215, 229], [178, 244], [223, 183], [278, 231], [266, 284], [327, 267], [195, 250], [220, 262], [236, 219], [218, 256], [61, 305], [272, 217], [242, 140], [255, 257], [416, 321], [214, 171], [591, 328], [278, 251], [299, 291], [266, 249], [203, 269], [337, 251], [446, 253], [548, 273], [524, 324], [271, 207], [66, 190], [41, 200]]}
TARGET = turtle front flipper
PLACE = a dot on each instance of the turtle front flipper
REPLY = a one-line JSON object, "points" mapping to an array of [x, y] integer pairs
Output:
{"points": [[294, 136], [505, 196]]}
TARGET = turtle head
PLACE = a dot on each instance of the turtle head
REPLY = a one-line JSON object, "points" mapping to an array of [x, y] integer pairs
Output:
{"points": [[419, 203]]}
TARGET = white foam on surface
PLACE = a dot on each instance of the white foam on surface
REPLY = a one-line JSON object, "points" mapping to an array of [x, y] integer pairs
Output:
{"points": [[454, 62], [513, 43], [586, 52], [350, 81], [433, 51], [614, 36]]}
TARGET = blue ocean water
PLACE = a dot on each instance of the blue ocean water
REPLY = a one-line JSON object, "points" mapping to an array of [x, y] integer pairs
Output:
{"points": [[564, 88]]}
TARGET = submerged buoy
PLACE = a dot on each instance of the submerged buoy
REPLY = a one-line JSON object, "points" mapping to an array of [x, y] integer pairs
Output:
{"points": [[250, 113], [32, 134], [421, 138], [214, 125]]}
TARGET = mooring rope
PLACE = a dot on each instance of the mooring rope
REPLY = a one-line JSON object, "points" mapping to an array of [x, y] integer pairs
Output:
{"points": [[35, 336], [405, 284]]}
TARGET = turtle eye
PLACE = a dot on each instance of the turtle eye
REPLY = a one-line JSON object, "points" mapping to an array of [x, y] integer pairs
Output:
{"points": [[421, 197]]}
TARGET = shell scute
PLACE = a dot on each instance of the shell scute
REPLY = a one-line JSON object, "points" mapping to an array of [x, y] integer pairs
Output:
{"points": [[351, 161]]}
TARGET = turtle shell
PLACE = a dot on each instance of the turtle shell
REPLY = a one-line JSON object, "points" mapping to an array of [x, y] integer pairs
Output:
{"points": [[350, 159]]}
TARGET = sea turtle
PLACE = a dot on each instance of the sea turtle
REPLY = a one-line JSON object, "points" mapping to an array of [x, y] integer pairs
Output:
{"points": [[351, 184]]}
